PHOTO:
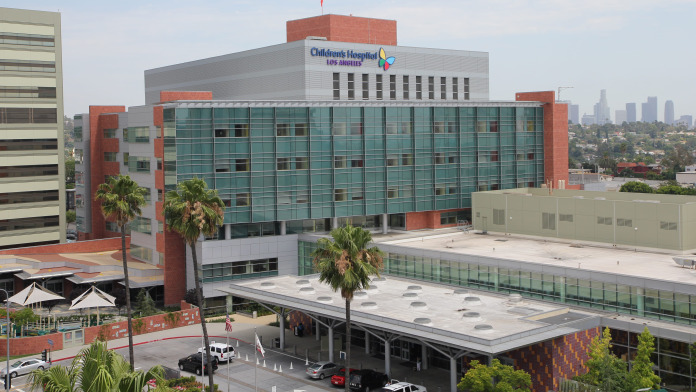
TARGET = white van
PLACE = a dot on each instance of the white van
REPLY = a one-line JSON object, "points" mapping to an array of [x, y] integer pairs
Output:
{"points": [[221, 351]]}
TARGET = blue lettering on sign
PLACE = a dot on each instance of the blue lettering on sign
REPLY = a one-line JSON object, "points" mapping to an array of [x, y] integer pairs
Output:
{"points": [[335, 56]]}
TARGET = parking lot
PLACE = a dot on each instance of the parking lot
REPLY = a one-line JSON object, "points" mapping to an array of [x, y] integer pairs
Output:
{"points": [[167, 347]]}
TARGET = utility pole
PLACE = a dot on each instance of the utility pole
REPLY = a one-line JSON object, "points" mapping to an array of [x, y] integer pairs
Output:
{"points": [[558, 98]]}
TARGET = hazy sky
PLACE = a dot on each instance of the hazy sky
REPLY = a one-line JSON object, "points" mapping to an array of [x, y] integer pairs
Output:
{"points": [[631, 48]]}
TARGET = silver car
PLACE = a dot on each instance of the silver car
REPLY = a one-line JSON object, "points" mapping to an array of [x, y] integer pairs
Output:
{"points": [[24, 366], [322, 369]]}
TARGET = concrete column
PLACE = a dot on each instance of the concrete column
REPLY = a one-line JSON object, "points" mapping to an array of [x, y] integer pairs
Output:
{"points": [[318, 332], [640, 301], [334, 223], [387, 358], [424, 357], [228, 303], [561, 281], [331, 346], [385, 223], [283, 228], [282, 329], [367, 343], [453, 375], [228, 231]]}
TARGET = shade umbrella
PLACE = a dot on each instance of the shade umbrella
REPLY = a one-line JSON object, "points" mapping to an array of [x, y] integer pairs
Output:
{"points": [[33, 294], [93, 298]]}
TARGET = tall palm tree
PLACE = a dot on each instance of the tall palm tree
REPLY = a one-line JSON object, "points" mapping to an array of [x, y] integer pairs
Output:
{"points": [[346, 264], [121, 199], [94, 369], [191, 210]]}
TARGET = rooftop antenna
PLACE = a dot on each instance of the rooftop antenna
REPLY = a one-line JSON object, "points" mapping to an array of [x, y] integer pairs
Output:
{"points": [[558, 98]]}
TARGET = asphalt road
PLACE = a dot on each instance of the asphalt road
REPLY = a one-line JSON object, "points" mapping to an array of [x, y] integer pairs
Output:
{"points": [[243, 375]]}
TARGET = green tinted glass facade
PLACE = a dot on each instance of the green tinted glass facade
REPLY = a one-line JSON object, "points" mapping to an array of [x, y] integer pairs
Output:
{"points": [[292, 163]]}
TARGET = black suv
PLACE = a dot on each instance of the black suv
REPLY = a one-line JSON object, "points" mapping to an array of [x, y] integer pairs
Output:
{"points": [[366, 379], [193, 363]]}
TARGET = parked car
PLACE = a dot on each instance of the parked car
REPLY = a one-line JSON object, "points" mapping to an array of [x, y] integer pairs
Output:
{"points": [[322, 369], [403, 387], [193, 363], [339, 379], [24, 366], [220, 351], [366, 379]]}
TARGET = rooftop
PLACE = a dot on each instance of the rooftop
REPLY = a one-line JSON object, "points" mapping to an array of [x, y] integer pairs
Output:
{"points": [[481, 322], [617, 196], [553, 257]]}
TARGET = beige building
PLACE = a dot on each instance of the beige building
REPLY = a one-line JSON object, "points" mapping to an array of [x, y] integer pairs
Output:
{"points": [[32, 186], [629, 220]]}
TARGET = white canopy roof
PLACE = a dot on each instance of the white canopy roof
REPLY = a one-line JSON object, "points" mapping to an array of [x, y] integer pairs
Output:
{"points": [[93, 298], [33, 294]]}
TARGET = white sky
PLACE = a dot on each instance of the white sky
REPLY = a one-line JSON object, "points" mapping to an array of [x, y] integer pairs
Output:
{"points": [[631, 48]]}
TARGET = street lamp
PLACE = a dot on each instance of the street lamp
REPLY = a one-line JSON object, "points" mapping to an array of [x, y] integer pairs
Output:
{"points": [[7, 373]]}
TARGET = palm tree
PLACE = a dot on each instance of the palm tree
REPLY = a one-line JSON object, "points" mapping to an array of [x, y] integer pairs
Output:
{"points": [[94, 369], [121, 199], [346, 264], [191, 210]]}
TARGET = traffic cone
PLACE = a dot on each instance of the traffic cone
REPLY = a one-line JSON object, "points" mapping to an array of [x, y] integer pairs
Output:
{"points": [[306, 361], [275, 367], [257, 361], [237, 342], [280, 368], [264, 363], [246, 357], [290, 365]]}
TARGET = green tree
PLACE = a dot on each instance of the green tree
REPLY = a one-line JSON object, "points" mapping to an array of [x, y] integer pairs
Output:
{"points": [[121, 199], [145, 305], [641, 374], [70, 216], [494, 378], [191, 210], [636, 187], [69, 171], [94, 369], [345, 263], [605, 369]]}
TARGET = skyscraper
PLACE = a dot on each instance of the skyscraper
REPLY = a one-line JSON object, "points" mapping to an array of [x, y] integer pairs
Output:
{"points": [[620, 116], [574, 113], [32, 178], [649, 110], [601, 109], [631, 112], [669, 112]]}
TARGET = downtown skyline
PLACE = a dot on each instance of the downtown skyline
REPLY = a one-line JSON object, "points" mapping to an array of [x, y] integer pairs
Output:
{"points": [[533, 46]]}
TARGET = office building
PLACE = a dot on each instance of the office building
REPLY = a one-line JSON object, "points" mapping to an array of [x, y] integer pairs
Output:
{"points": [[620, 117], [669, 112], [649, 110], [686, 121], [589, 119], [32, 185], [631, 112], [602, 112], [574, 113]]}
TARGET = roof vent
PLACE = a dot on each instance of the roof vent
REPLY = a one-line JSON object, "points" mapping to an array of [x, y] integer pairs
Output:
{"points": [[307, 290], [471, 316], [302, 282], [515, 298], [483, 328], [360, 295], [461, 292], [372, 289], [417, 289], [325, 300], [268, 285], [472, 301], [379, 280], [418, 305], [410, 295], [368, 305], [423, 321]]}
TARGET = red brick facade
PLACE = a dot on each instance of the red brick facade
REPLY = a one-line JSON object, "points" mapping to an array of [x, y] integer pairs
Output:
{"points": [[549, 361], [343, 28], [426, 220], [555, 135]]}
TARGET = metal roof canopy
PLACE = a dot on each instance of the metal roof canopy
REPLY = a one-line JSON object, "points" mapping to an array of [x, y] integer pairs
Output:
{"points": [[428, 312]]}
